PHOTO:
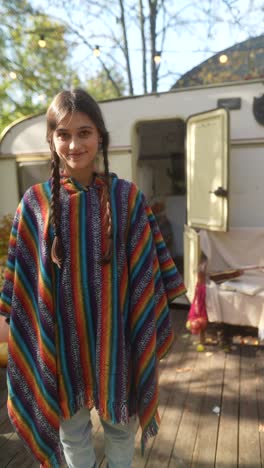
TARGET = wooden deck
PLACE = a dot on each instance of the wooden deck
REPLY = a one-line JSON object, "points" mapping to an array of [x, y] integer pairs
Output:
{"points": [[211, 408]]}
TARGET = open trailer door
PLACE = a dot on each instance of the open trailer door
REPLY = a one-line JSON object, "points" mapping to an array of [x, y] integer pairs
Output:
{"points": [[207, 157], [207, 163]]}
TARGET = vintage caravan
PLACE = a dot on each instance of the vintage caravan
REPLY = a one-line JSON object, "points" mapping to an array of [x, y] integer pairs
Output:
{"points": [[197, 153]]}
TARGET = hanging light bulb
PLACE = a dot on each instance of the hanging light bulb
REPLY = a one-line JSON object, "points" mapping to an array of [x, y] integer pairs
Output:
{"points": [[157, 58], [96, 51], [42, 43], [13, 75], [223, 58], [41, 97]]}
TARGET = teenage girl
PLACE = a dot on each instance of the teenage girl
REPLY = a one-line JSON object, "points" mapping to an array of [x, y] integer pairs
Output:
{"points": [[86, 291]]}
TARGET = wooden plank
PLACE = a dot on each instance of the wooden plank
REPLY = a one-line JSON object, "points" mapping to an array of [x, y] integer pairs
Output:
{"points": [[167, 378], [3, 415], [6, 431], [2, 379], [186, 435], [172, 415], [10, 450], [173, 396], [249, 447], [227, 447], [206, 441], [2, 388], [22, 459]]}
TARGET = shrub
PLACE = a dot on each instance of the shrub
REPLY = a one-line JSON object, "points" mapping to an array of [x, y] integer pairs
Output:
{"points": [[5, 228]]}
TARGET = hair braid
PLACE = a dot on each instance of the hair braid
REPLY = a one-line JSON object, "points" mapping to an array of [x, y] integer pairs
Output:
{"points": [[56, 248], [106, 203]]}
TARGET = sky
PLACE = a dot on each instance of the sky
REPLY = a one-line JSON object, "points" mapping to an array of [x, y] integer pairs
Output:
{"points": [[184, 48]]}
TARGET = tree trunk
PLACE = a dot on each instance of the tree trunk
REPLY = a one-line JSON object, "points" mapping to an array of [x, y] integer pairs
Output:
{"points": [[143, 41], [126, 51], [153, 37]]}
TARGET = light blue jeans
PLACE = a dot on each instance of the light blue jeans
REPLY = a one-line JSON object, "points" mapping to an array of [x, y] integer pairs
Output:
{"points": [[76, 439]]}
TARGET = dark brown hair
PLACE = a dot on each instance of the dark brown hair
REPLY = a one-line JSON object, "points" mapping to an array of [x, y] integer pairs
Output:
{"points": [[67, 102]]}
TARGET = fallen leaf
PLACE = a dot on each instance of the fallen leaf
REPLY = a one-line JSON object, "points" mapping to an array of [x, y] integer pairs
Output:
{"points": [[184, 369], [216, 410]]}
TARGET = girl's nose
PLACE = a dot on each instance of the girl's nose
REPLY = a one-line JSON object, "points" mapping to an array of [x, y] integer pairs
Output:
{"points": [[73, 143]]}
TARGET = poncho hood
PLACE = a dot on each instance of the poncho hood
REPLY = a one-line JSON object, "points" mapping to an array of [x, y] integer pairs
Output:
{"points": [[71, 185]]}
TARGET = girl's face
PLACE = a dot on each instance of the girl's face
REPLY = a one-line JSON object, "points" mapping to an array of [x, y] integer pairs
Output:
{"points": [[76, 141]]}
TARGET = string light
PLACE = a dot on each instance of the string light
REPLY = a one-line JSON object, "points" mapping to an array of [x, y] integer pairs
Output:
{"points": [[42, 43], [96, 51], [157, 58], [13, 75], [41, 97], [223, 58]]}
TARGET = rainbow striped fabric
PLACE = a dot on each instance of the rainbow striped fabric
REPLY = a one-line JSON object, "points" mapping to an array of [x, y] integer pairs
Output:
{"points": [[87, 334]]}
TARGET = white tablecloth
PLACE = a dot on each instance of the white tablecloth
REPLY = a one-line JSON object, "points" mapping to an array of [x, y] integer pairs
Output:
{"points": [[236, 248]]}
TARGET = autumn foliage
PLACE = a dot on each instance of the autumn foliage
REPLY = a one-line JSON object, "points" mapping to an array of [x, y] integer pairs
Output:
{"points": [[5, 228]]}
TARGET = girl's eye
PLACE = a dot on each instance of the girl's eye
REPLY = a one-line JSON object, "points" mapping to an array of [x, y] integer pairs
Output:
{"points": [[85, 133], [63, 136]]}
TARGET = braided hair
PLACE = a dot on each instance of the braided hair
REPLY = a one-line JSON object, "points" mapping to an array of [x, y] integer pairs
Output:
{"points": [[64, 103]]}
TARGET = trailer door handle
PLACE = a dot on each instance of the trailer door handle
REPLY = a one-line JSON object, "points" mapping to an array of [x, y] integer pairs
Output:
{"points": [[219, 192]]}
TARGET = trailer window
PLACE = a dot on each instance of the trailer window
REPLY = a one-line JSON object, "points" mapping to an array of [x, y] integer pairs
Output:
{"points": [[30, 173]]}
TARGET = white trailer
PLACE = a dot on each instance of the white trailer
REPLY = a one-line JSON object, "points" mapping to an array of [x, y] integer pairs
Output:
{"points": [[198, 150]]}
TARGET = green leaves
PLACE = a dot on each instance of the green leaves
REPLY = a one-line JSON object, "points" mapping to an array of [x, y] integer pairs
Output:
{"points": [[30, 75], [31, 72]]}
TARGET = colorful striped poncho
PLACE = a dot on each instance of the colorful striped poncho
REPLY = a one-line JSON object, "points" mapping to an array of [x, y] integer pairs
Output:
{"points": [[87, 334]]}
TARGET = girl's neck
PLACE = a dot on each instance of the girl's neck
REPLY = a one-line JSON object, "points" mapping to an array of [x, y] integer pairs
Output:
{"points": [[84, 178]]}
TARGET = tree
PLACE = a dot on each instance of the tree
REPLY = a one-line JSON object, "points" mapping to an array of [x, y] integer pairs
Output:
{"points": [[130, 37], [101, 88], [32, 72], [30, 75], [121, 27]]}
